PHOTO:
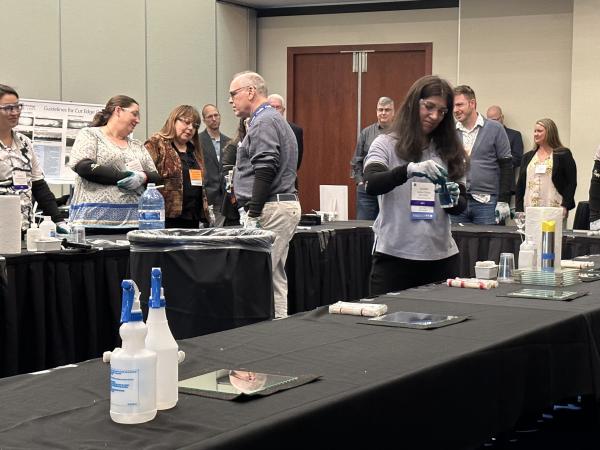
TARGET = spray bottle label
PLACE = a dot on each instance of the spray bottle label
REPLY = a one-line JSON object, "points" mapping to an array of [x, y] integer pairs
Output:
{"points": [[124, 387]]}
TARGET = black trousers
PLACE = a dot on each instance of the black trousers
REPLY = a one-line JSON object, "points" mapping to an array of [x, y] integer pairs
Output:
{"points": [[390, 274]]}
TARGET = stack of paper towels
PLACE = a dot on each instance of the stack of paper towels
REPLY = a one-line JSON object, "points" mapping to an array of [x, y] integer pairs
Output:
{"points": [[10, 224], [534, 216]]}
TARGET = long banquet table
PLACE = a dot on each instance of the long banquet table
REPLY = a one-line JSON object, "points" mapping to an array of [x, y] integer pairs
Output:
{"points": [[452, 387], [62, 307]]}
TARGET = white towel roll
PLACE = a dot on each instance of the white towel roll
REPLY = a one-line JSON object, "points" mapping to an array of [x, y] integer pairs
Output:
{"points": [[10, 224]]}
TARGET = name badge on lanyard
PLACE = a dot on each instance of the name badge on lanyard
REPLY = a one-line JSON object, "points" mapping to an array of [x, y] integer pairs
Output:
{"points": [[196, 177], [540, 168], [19, 179], [422, 201]]}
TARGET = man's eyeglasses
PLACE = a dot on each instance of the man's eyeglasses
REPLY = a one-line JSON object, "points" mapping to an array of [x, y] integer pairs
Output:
{"points": [[432, 107], [134, 112], [235, 92], [14, 107], [188, 123]]}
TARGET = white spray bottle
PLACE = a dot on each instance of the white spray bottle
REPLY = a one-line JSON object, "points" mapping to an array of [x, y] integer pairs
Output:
{"points": [[132, 367], [160, 339]]}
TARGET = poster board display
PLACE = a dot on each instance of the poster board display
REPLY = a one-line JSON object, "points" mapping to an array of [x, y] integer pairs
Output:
{"points": [[52, 127]]}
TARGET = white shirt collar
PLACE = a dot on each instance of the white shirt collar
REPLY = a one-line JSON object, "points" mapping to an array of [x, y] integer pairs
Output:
{"points": [[478, 123]]}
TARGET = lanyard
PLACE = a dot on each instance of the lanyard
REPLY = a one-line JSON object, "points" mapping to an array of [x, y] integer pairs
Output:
{"points": [[260, 109]]}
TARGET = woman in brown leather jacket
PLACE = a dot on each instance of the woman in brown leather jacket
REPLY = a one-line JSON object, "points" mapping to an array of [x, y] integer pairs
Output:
{"points": [[177, 154]]}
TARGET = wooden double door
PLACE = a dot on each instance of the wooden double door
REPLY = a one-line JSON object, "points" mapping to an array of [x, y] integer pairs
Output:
{"points": [[332, 94]]}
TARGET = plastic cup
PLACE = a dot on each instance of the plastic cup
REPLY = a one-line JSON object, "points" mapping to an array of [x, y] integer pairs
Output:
{"points": [[506, 268], [445, 198]]}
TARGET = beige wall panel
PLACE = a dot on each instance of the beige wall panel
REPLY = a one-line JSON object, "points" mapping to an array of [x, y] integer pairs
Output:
{"points": [[517, 54], [585, 91], [103, 52], [275, 34], [31, 49], [236, 51], [181, 56]]}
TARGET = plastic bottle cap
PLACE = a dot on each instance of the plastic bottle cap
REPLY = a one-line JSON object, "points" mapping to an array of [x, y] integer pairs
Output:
{"points": [[548, 226]]}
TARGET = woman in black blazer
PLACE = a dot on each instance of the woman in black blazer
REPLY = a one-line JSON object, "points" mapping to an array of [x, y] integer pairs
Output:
{"points": [[548, 173]]}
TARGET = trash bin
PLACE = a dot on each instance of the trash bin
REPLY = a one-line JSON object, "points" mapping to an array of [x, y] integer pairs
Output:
{"points": [[214, 279]]}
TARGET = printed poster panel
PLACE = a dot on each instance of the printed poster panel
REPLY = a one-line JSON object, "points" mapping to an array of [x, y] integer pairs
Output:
{"points": [[52, 127]]}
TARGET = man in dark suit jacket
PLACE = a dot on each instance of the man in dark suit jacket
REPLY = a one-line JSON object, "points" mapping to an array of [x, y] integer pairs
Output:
{"points": [[515, 139], [276, 101], [213, 142]]}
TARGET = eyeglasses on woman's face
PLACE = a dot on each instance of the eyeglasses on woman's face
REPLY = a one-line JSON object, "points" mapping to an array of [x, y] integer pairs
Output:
{"points": [[189, 123]]}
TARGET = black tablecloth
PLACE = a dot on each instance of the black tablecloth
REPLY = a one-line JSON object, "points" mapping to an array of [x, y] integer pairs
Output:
{"points": [[62, 307], [381, 387]]}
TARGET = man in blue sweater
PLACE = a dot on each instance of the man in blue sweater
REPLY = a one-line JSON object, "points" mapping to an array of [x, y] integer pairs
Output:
{"points": [[490, 179]]}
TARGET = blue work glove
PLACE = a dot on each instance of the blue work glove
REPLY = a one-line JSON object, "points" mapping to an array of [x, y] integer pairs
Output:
{"points": [[453, 190], [132, 181], [428, 169], [63, 227], [502, 211]]}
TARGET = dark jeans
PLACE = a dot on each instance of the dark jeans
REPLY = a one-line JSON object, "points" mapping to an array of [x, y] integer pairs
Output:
{"points": [[367, 207], [478, 213], [391, 274]]}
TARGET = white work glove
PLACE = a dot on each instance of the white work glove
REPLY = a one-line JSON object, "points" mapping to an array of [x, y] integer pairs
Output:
{"points": [[63, 227], [132, 181], [243, 216], [595, 225], [251, 223], [502, 211], [453, 190], [428, 169]]}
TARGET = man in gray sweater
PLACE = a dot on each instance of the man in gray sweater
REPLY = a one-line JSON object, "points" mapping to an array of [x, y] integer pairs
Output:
{"points": [[265, 173], [490, 179]]}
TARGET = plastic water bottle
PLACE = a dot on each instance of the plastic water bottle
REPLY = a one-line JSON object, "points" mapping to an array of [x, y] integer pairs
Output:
{"points": [[132, 367], [33, 234], [161, 341], [527, 255], [47, 228], [151, 209]]}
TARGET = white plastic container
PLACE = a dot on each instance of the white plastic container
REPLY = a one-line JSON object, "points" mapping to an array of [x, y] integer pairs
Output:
{"points": [[47, 228], [33, 234], [527, 255], [160, 340], [47, 244], [132, 367], [486, 270]]}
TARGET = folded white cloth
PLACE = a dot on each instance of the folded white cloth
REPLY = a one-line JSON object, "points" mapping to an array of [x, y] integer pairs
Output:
{"points": [[572, 264], [473, 283], [358, 309]]}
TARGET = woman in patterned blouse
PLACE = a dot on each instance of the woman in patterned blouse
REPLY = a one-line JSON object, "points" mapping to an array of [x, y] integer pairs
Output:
{"points": [[548, 174], [112, 170]]}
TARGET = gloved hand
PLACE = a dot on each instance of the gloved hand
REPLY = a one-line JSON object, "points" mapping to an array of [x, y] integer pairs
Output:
{"points": [[132, 181], [595, 225], [428, 169], [63, 227], [251, 223], [453, 190], [502, 211], [243, 216]]}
